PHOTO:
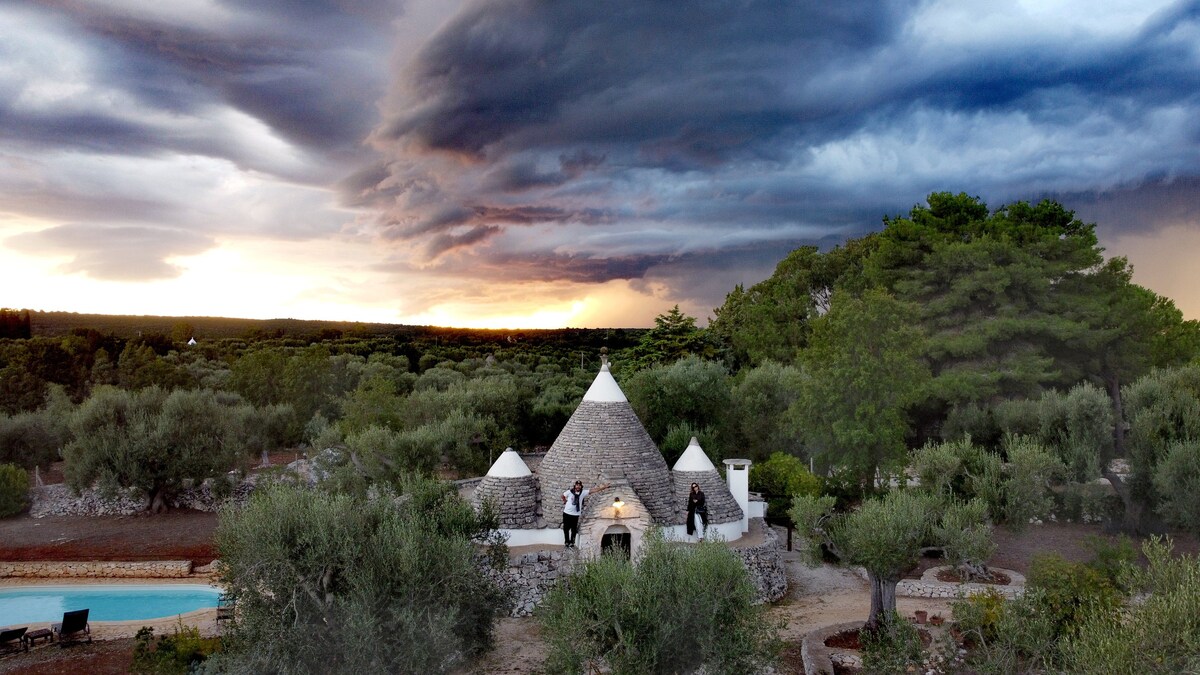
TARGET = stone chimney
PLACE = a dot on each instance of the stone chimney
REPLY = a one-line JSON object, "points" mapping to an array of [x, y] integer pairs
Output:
{"points": [[737, 476]]}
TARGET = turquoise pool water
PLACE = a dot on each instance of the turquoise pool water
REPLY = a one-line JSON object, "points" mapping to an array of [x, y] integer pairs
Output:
{"points": [[106, 602]]}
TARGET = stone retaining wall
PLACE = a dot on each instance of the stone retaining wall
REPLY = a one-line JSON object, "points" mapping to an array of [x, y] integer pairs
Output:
{"points": [[529, 576], [58, 499], [816, 657], [764, 563], [931, 587], [148, 569]]}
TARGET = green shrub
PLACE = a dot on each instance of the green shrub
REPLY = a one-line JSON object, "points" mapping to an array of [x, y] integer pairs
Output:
{"points": [[1160, 634], [1088, 503], [176, 654], [1111, 557], [1177, 482], [895, 647], [679, 608], [780, 478], [1006, 636], [970, 420], [14, 490], [939, 466], [1068, 592], [1031, 468], [978, 615]]}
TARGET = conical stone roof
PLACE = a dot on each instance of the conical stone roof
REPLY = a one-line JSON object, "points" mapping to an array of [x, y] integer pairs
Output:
{"points": [[511, 488], [695, 467], [604, 441]]}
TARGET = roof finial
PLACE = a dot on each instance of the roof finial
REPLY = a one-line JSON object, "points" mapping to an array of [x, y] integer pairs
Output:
{"points": [[604, 356]]}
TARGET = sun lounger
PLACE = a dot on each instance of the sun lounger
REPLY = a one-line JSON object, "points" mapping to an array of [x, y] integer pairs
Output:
{"points": [[13, 639], [225, 607], [74, 627]]}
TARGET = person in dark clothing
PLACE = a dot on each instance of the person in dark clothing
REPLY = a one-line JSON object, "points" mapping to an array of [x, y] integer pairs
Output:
{"points": [[697, 512]]}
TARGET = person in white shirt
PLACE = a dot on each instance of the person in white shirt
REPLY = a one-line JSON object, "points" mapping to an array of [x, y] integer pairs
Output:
{"points": [[573, 507]]}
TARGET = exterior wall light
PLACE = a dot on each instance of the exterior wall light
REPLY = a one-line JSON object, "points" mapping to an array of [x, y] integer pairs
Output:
{"points": [[617, 503]]}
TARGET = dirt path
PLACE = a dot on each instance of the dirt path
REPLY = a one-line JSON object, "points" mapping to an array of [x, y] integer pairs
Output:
{"points": [[827, 595]]}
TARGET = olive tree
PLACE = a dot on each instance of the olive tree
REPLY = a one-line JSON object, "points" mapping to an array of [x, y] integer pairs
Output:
{"points": [[1015, 491], [690, 390], [757, 423], [333, 583], [884, 536], [153, 441], [677, 609], [14, 490], [34, 438], [1177, 480]]}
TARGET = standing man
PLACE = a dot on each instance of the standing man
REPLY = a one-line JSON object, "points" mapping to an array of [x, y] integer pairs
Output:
{"points": [[573, 508]]}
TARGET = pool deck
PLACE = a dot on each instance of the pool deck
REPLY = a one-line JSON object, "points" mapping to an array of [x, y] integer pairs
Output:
{"points": [[203, 619]]}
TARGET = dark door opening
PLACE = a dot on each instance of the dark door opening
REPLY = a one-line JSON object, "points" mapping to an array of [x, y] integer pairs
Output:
{"points": [[616, 544]]}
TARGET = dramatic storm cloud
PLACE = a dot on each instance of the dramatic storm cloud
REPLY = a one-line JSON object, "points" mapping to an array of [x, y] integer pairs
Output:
{"points": [[483, 161]]}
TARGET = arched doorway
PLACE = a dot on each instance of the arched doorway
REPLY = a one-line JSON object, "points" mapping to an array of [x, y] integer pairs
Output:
{"points": [[617, 540]]}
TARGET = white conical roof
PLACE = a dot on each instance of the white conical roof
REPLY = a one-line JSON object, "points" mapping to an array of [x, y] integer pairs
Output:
{"points": [[509, 465], [604, 388], [694, 459]]}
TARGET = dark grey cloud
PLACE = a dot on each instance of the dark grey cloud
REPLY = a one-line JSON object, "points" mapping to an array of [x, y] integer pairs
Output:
{"points": [[1149, 206], [531, 266], [114, 253], [741, 128], [691, 84], [677, 145], [308, 71], [224, 118]]}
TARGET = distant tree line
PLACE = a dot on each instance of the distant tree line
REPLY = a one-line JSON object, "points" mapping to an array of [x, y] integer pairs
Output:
{"points": [[15, 324], [953, 321]]}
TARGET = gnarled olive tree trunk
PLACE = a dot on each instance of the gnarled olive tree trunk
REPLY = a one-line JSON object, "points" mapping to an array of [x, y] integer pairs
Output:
{"points": [[883, 600]]}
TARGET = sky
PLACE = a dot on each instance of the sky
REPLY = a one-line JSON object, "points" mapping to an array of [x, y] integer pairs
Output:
{"points": [[536, 164]]}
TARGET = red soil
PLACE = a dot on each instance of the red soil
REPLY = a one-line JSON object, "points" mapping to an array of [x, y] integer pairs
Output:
{"points": [[175, 535]]}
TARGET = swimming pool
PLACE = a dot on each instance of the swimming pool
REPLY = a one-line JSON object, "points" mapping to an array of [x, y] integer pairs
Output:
{"points": [[106, 602]]}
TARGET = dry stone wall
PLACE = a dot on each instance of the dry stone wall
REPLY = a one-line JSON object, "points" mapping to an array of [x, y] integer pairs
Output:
{"points": [[145, 569], [765, 564], [60, 500], [529, 576]]}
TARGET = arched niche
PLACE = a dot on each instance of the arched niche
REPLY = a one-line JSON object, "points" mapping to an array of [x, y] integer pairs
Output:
{"points": [[617, 539]]}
